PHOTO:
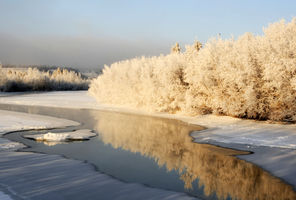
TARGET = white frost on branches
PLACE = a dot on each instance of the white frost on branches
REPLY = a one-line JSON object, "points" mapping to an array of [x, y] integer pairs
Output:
{"points": [[251, 77]]}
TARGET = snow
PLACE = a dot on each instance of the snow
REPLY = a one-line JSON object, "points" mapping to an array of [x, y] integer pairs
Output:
{"points": [[220, 128], [231, 130], [65, 99], [16, 121], [83, 134]]}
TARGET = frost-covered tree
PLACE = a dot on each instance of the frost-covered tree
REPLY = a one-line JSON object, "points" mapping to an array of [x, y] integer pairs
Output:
{"points": [[197, 45], [251, 77], [176, 48], [34, 80]]}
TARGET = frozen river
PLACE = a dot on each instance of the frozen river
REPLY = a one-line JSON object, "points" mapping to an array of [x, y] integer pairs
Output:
{"points": [[158, 153]]}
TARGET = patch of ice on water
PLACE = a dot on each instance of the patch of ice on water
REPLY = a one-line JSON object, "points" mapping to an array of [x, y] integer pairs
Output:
{"points": [[83, 134]]}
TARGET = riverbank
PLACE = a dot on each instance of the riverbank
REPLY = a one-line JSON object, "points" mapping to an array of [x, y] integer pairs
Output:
{"points": [[273, 144], [222, 129]]}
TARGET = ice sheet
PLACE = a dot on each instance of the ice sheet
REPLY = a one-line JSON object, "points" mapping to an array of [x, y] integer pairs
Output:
{"points": [[55, 177]]}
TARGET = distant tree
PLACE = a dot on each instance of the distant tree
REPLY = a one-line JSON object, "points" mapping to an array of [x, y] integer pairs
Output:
{"points": [[176, 48], [197, 45]]}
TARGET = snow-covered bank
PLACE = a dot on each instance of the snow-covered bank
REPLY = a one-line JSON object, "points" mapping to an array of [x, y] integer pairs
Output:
{"points": [[232, 130], [69, 99], [220, 128], [16, 121]]}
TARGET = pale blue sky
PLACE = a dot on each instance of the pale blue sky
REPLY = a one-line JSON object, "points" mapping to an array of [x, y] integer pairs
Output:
{"points": [[89, 33]]}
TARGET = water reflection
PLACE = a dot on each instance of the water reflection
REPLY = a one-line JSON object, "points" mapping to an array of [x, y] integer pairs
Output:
{"points": [[169, 144]]}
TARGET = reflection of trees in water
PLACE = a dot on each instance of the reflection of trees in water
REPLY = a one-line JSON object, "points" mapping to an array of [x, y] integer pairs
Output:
{"points": [[169, 144]]}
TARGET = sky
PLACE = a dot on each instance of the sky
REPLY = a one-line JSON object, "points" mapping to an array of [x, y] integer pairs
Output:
{"points": [[92, 33]]}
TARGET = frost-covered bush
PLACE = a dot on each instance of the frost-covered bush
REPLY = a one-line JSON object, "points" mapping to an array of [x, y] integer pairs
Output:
{"points": [[68, 80], [251, 77], [12, 80]]}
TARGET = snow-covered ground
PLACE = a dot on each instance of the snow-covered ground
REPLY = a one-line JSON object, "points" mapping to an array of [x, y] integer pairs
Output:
{"points": [[15, 121], [220, 128], [237, 131], [65, 99]]}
